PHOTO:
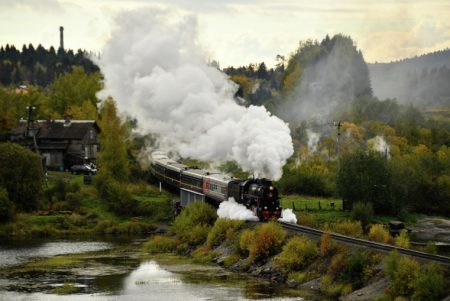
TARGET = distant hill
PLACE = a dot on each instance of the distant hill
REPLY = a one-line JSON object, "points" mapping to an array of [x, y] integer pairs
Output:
{"points": [[422, 80]]}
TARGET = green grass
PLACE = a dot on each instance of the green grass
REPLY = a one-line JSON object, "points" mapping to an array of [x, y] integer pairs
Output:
{"points": [[300, 202], [93, 215], [66, 289]]}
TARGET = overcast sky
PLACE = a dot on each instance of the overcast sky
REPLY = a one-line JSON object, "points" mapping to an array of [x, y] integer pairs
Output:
{"points": [[238, 32]]}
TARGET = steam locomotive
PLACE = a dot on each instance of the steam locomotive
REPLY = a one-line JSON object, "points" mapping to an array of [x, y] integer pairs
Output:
{"points": [[258, 195]]}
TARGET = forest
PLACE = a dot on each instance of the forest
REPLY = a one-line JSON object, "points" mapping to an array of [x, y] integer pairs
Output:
{"points": [[348, 143]]}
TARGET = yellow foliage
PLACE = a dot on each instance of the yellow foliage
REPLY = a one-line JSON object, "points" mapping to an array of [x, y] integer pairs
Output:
{"points": [[352, 129], [325, 244], [378, 233], [264, 241], [243, 81], [297, 252], [400, 142], [351, 228], [402, 240], [420, 150], [291, 80], [87, 111]]}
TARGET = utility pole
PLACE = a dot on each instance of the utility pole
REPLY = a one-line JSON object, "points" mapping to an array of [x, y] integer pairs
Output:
{"points": [[338, 124], [31, 132]]}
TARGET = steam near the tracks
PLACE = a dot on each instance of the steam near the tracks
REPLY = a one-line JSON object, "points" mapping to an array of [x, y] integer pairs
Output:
{"points": [[156, 72], [232, 210], [288, 216]]}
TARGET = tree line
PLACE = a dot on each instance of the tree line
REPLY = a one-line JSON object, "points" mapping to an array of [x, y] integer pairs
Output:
{"points": [[39, 66]]}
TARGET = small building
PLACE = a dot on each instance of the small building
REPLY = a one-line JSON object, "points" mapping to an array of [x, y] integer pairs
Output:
{"points": [[62, 143]]}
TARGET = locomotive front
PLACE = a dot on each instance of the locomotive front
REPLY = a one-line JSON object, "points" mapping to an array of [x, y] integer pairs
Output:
{"points": [[262, 197]]}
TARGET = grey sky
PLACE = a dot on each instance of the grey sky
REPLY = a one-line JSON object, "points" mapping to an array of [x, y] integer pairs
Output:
{"points": [[239, 32]]}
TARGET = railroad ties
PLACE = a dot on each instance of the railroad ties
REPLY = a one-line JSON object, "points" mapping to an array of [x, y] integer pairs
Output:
{"points": [[366, 243]]}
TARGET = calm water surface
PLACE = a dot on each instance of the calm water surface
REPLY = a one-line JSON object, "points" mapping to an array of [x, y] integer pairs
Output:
{"points": [[113, 270]]}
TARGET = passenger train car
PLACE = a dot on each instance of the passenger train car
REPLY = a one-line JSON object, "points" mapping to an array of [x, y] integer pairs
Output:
{"points": [[259, 195]]}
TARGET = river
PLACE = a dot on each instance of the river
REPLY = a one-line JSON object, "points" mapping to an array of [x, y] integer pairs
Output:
{"points": [[114, 269]]}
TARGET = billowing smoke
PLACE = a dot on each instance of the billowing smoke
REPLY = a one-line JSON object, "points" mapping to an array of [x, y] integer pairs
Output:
{"points": [[380, 145], [232, 210], [156, 72], [327, 82], [313, 141], [288, 216]]}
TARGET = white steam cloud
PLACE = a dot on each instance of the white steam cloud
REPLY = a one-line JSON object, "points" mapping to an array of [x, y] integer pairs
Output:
{"points": [[232, 210], [156, 73], [380, 145], [313, 140], [288, 216]]}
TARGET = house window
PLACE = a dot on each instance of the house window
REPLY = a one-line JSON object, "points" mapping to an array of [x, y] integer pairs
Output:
{"points": [[91, 134]]}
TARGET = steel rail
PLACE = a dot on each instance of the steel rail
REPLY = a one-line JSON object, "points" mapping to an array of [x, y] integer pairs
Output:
{"points": [[367, 243]]}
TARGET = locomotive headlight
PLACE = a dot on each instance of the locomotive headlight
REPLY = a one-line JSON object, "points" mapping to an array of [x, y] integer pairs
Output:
{"points": [[271, 188], [265, 208]]}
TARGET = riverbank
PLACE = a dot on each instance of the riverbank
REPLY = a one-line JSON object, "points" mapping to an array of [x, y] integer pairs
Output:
{"points": [[332, 270], [74, 208], [117, 269]]}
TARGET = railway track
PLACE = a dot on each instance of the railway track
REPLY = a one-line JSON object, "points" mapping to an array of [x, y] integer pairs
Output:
{"points": [[366, 243]]}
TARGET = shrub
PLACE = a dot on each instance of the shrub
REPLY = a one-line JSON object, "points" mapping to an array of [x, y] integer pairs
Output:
{"points": [[230, 260], [337, 264], [21, 175], [266, 240], [103, 226], [298, 277], [353, 271], [222, 230], [6, 206], [402, 240], [378, 233], [431, 247], [333, 289], [194, 222], [115, 195], [391, 264], [160, 244], [203, 255], [430, 284], [305, 218], [297, 252], [326, 245], [362, 212], [351, 228], [182, 249], [246, 237], [402, 273]]}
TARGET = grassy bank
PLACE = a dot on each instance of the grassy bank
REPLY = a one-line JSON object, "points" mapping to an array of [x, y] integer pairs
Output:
{"points": [[74, 208], [317, 211], [267, 251]]}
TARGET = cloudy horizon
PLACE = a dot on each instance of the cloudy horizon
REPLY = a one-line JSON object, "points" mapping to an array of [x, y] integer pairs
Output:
{"points": [[242, 32]]}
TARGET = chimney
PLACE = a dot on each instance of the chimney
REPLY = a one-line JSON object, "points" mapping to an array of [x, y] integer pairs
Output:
{"points": [[61, 37]]}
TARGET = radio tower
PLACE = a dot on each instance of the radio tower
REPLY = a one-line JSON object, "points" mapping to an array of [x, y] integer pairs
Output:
{"points": [[61, 38]]}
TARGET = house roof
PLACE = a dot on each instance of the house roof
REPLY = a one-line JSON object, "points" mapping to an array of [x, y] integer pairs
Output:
{"points": [[58, 129]]}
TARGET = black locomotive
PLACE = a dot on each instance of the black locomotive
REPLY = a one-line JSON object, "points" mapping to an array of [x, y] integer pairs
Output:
{"points": [[258, 195]]}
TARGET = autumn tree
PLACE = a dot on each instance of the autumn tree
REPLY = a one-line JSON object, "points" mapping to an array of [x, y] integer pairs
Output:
{"points": [[112, 159], [73, 89]]}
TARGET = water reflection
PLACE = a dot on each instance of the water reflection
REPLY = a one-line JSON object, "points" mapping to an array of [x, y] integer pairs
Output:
{"points": [[13, 254], [118, 274]]}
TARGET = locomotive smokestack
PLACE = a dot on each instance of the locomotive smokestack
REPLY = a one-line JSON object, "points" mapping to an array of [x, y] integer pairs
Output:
{"points": [[61, 37]]}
